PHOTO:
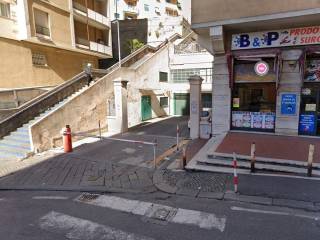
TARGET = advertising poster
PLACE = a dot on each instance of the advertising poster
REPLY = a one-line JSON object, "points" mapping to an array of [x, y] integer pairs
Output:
{"points": [[253, 120], [257, 120], [307, 124], [313, 70], [288, 103]]}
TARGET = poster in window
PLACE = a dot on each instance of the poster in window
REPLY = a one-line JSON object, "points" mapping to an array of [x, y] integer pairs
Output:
{"points": [[313, 70], [237, 119], [244, 71], [257, 120], [246, 122], [307, 124], [269, 121]]}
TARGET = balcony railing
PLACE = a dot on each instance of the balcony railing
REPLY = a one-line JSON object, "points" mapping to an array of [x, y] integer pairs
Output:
{"points": [[98, 17], [45, 31], [93, 46]]}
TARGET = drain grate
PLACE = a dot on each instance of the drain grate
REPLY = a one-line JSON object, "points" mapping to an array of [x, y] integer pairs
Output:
{"points": [[159, 214], [88, 197]]}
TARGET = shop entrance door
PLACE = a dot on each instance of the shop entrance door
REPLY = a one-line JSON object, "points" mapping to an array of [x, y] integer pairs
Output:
{"points": [[309, 123]]}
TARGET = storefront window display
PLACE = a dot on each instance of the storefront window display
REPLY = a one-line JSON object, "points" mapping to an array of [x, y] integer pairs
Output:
{"points": [[254, 97], [309, 122]]}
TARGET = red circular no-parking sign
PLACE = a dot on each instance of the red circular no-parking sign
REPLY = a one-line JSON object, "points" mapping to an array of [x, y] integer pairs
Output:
{"points": [[261, 68]]}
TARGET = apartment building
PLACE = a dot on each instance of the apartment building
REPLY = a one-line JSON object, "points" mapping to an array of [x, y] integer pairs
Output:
{"points": [[188, 58], [43, 43], [164, 16]]}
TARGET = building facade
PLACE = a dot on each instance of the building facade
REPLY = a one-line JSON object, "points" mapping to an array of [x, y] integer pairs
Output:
{"points": [[266, 64], [188, 58], [47, 42], [164, 16]]}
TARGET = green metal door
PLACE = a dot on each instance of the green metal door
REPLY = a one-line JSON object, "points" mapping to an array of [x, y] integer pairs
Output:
{"points": [[181, 104], [146, 108]]}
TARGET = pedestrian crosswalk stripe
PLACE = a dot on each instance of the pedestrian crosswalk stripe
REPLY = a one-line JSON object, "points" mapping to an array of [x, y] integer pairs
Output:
{"points": [[80, 229], [181, 216], [50, 198]]}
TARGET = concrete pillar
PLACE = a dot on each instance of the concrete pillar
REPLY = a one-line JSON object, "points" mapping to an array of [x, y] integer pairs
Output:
{"points": [[195, 105], [120, 97]]}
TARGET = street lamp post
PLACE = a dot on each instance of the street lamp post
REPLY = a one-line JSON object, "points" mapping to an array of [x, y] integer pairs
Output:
{"points": [[118, 32]]}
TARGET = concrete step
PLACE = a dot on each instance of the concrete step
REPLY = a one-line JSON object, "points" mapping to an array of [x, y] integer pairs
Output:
{"points": [[17, 139], [13, 142], [280, 162], [7, 153], [13, 149], [22, 134], [245, 165], [14, 145]]}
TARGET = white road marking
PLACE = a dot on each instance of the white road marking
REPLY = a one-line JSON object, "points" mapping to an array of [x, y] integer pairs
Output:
{"points": [[315, 218], [81, 229], [50, 198], [2, 199], [183, 216], [202, 219]]}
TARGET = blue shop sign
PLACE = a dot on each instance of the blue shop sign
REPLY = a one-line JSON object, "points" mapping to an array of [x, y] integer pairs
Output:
{"points": [[288, 104], [307, 124]]}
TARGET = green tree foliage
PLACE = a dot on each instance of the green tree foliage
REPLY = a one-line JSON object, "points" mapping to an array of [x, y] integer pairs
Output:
{"points": [[133, 45]]}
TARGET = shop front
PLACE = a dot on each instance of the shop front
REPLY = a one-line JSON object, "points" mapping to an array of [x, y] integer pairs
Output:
{"points": [[274, 77], [253, 95]]}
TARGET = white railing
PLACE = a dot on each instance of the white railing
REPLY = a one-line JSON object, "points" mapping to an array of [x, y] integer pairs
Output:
{"points": [[101, 48], [98, 17]]}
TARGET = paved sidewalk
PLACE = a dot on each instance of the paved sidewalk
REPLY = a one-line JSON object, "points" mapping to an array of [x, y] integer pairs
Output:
{"points": [[267, 190]]}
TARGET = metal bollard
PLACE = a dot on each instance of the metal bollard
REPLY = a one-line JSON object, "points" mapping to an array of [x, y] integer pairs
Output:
{"points": [[178, 137], [154, 153], [184, 158], [253, 157], [310, 159], [100, 130], [235, 174]]}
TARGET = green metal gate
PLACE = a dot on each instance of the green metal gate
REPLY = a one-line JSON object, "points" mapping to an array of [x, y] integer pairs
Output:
{"points": [[146, 113], [181, 104]]}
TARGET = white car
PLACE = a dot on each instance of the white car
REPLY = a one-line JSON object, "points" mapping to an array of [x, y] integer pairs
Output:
{"points": [[204, 116]]}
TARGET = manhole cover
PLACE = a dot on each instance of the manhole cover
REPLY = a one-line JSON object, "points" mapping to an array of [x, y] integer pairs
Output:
{"points": [[88, 197], [161, 214]]}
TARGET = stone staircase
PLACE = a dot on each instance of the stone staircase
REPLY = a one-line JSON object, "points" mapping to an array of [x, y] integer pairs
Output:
{"points": [[17, 145], [221, 161], [209, 160]]}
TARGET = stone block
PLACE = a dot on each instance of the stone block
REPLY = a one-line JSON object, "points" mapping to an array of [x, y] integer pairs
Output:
{"points": [[211, 195]]}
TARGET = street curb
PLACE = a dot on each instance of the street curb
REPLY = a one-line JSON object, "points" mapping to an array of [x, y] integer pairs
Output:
{"points": [[162, 186], [75, 189]]}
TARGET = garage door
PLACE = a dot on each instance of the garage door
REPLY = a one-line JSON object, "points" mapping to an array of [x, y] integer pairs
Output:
{"points": [[181, 104]]}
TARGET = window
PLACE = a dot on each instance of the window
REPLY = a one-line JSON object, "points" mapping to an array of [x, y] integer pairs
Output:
{"points": [[5, 10], [164, 102], [146, 7], [41, 20], [39, 59], [163, 77], [182, 75], [116, 15]]}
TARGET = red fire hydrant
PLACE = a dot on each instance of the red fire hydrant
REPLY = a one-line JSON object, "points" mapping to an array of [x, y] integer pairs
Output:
{"points": [[67, 140]]}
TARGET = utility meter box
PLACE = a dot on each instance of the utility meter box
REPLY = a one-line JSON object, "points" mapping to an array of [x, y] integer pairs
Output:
{"points": [[205, 130]]}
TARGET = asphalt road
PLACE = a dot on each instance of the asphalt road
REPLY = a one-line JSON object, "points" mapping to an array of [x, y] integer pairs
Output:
{"points": [[56, 215]]}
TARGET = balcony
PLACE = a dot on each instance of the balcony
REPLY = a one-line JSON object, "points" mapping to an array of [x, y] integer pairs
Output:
{"points": [[131, 2], [81, 13], [93, 46]]}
